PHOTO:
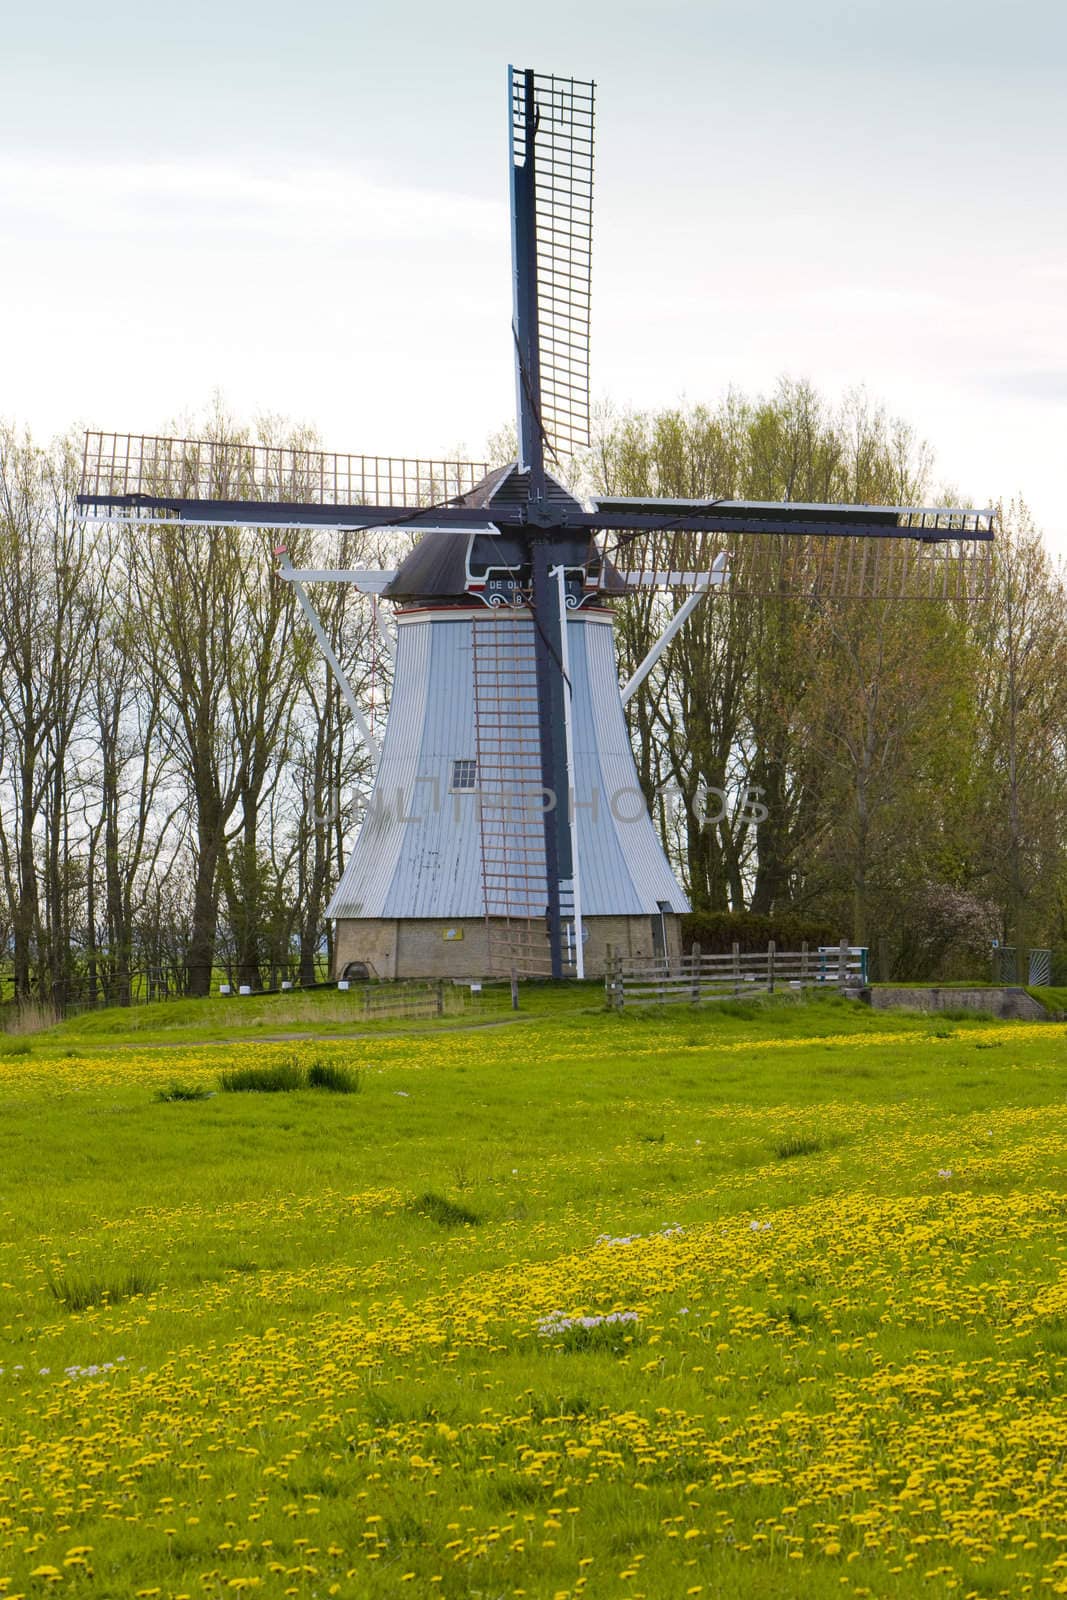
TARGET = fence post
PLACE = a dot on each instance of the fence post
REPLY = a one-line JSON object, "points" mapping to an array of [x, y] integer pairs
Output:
{"points": [[842, 964], [770, 966], [440, 1007], [737, 968], [618, 985], [514, 989], [804, 965], [694, 963]]}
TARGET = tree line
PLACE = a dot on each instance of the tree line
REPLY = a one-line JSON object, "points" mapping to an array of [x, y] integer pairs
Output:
{"points": [[910, 754], [179, 777]]}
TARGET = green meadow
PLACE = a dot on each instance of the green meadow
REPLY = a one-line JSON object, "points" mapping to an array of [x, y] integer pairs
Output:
{"points": [[763, 1299]]}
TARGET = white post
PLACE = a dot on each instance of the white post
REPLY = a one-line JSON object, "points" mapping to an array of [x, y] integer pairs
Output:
{"points": [[568, 736]]}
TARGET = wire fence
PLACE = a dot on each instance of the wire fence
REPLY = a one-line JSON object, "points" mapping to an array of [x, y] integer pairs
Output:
{"points": [[415, 999]]}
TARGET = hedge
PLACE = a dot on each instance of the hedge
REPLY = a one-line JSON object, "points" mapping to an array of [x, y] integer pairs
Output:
{"points": [[716, 932]]}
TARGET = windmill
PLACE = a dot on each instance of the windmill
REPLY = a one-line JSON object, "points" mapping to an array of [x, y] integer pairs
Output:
{"points": [[506, 828]]}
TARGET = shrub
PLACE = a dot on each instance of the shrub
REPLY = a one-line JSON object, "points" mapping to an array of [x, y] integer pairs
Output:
{"points": [[446, 1213], [279, 1078], [946, 933], [79, 1293], [183, 1091], [334, 1077]]}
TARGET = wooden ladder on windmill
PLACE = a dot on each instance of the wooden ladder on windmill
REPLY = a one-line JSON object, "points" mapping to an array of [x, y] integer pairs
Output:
{"points": [[509, 794]]}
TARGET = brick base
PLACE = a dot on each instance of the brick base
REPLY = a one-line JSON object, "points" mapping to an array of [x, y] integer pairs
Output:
{"points": [[417, 948]]}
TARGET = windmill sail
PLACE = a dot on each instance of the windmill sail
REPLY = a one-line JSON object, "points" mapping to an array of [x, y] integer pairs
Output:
{"points": [[147, 477], [552, 238], [826, 552], [818, 567]]}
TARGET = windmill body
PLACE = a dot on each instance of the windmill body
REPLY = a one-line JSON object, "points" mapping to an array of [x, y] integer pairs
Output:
{"points": [[506, 829], [447, 876], [414, 900]]}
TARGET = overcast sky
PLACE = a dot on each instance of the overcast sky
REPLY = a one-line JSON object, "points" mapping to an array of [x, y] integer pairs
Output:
{"points": [[304, 207]]}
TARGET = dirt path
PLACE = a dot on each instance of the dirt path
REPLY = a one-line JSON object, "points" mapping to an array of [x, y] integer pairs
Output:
{"points": [[321, 1038]]}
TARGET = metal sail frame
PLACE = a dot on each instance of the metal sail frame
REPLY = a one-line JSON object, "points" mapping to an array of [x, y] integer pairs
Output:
{"points": [[199, 483]]}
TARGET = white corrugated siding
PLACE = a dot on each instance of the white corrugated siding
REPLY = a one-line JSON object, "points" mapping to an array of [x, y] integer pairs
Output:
{"points": [[439, 873], [418, 853], [624, 869], [372, 862]]}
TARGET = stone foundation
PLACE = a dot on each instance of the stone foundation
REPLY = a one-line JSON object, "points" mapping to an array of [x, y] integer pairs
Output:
{"points": [[417, 948], [1007, 1002]]}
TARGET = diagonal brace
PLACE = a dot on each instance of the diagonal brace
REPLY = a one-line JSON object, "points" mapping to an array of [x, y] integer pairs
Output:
{"points": [[715, 578], [336, 668]]}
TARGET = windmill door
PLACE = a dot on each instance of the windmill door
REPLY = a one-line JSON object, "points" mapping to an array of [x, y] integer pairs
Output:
{"points": [[659, 930]]}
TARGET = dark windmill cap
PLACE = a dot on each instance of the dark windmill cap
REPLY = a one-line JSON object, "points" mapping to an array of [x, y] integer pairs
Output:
{"points": [[438, 567]]}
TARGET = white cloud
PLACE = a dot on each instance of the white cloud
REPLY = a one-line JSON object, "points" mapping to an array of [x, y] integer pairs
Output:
{"points": [[309, 204]]}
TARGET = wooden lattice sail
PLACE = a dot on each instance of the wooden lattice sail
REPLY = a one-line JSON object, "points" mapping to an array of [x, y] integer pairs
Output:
{"points": [[821, 567]]}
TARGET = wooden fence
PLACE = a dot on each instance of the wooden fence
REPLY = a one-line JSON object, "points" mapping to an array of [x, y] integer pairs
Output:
{"points": [[695, 977]]}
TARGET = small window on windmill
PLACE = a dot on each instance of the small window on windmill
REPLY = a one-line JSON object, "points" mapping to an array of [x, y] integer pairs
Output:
{"points": [[464, 776]]}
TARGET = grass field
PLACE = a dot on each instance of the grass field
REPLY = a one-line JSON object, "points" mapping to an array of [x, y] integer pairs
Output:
{"points": [[764, 1301]]}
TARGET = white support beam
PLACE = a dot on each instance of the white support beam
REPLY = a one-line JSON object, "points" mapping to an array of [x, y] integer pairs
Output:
{"points": [[715, 578], [336, 668], [386, 636], [368, 580], [655, 579]]}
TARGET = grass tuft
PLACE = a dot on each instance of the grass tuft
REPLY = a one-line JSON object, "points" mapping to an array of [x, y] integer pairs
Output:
{"points": [[79, 1293], [797, 1145], [739, 1010], [446, 1213], [183, 1091], [337, 1079], [280, 1078], [32, 1016], [14, 1046]]}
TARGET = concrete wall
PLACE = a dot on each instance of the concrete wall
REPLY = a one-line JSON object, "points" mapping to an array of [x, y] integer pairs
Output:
{"points": [[413, 947], [1007, 1002]]}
